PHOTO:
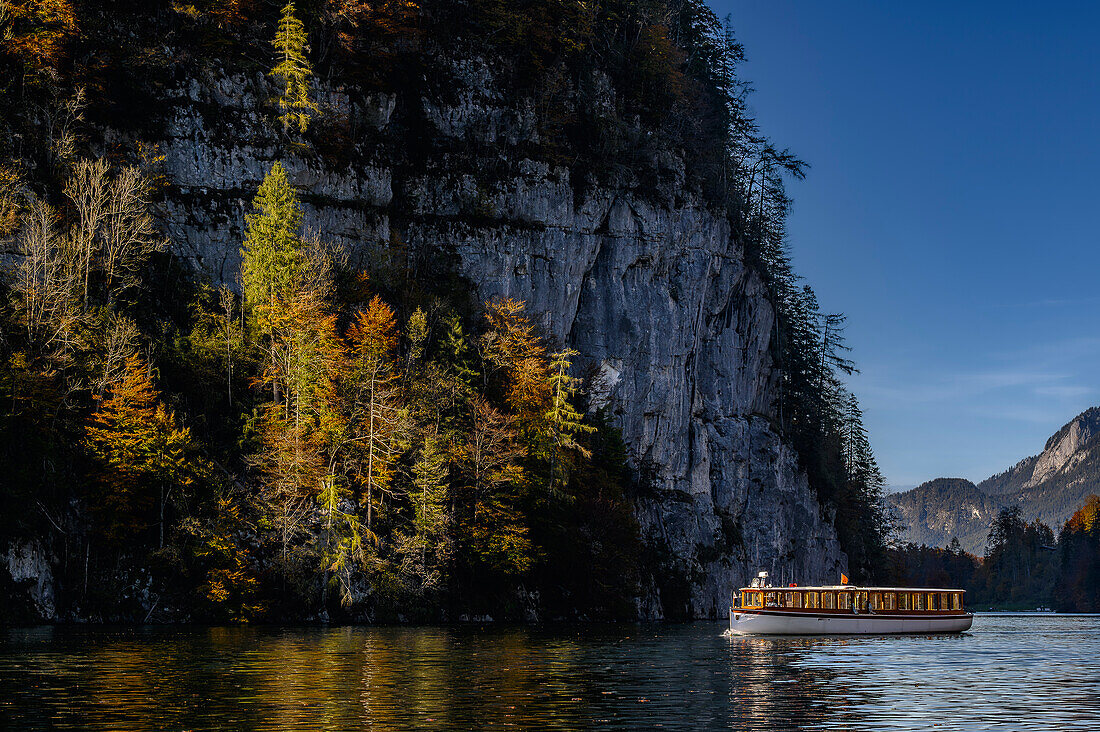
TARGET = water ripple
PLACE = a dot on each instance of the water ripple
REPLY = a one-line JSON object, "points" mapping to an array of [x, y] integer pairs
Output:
{"points": [[1010, 672]]}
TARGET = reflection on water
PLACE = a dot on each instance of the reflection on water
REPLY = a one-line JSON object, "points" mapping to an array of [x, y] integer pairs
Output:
{"points": [[1019, 673]]}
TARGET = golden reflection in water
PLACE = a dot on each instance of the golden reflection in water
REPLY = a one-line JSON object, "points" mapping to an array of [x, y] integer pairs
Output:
{"points": [[559, 678]]}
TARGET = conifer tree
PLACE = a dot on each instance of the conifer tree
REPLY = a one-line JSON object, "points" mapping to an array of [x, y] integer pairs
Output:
{"points": [[457, 351], [292, 71], [343, 538], [374, 412], [417, 334], [563, 419], [426, 549], [271, 258]]}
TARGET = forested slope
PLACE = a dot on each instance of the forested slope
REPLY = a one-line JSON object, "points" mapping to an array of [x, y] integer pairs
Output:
{"points": [[406, 310]]}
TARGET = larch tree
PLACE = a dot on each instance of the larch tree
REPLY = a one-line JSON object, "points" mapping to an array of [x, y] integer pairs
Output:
{"points": [[489, 479], [512, 349], [292, 71], [142, 454], [305, 358], [563, 420], [376, 416]]}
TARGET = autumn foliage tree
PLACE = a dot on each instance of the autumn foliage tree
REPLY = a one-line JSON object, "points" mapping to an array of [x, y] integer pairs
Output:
{"points": [[35, 32], [141, 453], [1077, 588]]}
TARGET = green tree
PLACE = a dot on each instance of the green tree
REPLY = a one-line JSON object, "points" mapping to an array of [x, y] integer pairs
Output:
{"points": [[426, 547], [292, 71], [563, 420], [271, 257], [343, 537]]}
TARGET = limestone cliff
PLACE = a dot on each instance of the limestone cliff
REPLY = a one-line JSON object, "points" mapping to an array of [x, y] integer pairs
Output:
{"points": [[646, 281]]}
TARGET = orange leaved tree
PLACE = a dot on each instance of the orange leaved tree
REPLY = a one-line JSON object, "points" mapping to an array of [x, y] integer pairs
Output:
{"points": [[141, 455]]}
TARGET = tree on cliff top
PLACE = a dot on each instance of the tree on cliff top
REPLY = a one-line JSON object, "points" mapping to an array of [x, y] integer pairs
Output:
{"points": [[292, 71]]}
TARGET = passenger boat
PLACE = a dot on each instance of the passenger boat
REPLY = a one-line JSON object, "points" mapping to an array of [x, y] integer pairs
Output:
{"points": [[845, 609]]}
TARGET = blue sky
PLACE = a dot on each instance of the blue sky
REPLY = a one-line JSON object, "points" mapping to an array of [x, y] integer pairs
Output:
{"points": [[950, 211]]}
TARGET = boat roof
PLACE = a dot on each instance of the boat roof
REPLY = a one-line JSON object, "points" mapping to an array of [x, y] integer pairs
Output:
{"points": [[776, 588]]}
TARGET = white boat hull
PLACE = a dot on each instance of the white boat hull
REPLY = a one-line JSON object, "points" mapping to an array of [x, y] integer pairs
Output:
{"points": [[752, 623]]}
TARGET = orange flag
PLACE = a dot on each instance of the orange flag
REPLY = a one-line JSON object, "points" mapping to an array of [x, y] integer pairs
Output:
{"points": [[843, 579]]}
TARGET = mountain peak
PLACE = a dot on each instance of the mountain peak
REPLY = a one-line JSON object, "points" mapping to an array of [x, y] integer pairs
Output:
{"points": [[1064, 447], [1049, 487]]}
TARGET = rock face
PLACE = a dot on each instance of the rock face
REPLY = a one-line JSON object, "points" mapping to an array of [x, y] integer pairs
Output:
{"points": [[648, 285], [31, 573], [1065, 450]]}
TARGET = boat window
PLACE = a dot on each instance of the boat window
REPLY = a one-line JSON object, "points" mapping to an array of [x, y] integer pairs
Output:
{"points": [[771, 600], [903, 601], [889, 600], [932, 601], [956, 601], [918, 601], [812, 600], [844, 601], [794, 599], [945, 601], [876, 600], [828, 600]]}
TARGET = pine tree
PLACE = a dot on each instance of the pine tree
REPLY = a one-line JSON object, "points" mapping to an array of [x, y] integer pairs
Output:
{"points": [[271, 257], [292, 71], [426, 549]]}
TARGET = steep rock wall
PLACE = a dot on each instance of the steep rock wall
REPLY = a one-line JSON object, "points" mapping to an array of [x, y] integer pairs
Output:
{"points": [[645, 281]]}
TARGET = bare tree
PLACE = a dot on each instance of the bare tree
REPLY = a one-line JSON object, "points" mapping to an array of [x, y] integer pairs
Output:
{"points": [[87, 190], [47, 280], [120, 343], [128, 232]]}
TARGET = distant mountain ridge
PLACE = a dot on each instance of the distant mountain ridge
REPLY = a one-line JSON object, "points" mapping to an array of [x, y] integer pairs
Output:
{"points": [[1049, 487]]}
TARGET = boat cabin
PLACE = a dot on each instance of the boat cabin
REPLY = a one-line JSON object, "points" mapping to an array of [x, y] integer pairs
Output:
{"points": [[844, 598]]}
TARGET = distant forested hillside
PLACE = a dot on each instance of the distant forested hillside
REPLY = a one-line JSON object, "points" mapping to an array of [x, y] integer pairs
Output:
{"points": [[1026, 565], [1048, 487], [943, 509]]}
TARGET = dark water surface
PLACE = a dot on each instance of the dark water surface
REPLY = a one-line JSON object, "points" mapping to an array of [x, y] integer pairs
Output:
{"points": [[1025, 672]]}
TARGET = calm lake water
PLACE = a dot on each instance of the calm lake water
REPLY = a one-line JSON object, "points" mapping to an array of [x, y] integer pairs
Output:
{"points": [[1009, 672]]}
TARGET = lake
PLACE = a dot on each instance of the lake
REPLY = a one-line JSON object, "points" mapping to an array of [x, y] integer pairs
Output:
{"points": [[1014, 672]]}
